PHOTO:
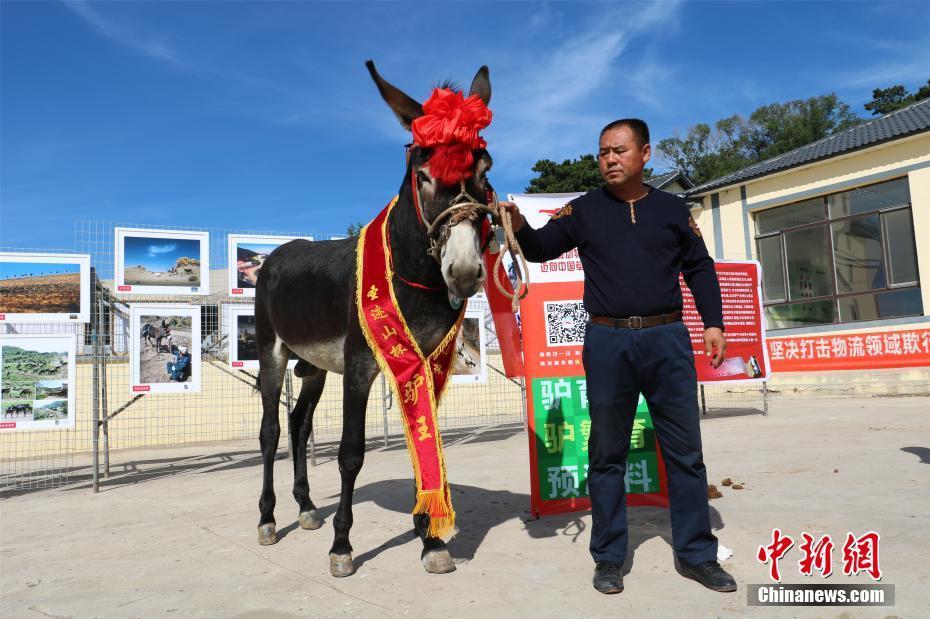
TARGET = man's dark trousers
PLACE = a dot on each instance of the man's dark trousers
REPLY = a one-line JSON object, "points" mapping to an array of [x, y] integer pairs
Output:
{"points": [[659, 363]]}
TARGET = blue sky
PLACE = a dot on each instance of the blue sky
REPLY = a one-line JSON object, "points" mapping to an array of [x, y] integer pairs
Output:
{"points": [[18, 269], [259, 248], [262, 117], [158, 254]]}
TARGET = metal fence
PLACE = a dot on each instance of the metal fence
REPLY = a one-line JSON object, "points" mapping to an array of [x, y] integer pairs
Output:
{"points": [[110, 419]]}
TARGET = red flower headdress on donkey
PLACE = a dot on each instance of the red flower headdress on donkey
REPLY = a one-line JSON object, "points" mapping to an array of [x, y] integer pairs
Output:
{"points": [[450, 126]]}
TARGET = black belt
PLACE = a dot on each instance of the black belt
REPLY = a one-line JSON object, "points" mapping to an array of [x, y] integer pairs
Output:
{"points": [[636, 322]]}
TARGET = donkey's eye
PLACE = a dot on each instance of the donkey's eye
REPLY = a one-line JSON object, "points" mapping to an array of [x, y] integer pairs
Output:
{"points": [[423, 177]]}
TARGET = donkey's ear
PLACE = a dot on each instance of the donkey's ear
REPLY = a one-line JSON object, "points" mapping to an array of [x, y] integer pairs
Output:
{"points": [[405, 108], [481, 85]]}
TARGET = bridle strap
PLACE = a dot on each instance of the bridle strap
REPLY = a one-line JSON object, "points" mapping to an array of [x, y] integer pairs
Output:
{"points": [[462, 207], [421, 218], [416, 198]]}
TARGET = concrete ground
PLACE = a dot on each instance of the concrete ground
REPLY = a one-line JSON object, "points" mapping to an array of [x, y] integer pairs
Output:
{"points": [[173, 533]]}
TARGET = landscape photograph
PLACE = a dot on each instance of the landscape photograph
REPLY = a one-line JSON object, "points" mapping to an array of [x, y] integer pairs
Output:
{"points": [[22, 365], [50, 409], [40, 287], [49, 389], [35, 372], [157, 261]]}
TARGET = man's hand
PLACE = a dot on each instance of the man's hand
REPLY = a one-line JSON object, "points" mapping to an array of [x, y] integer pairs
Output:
{"points": [[714, 339], [515, 217]]}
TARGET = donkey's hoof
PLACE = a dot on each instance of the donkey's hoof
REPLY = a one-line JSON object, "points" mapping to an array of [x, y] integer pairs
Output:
{"points": [[438, 562], [310, 520], [341, 566], [267, 535]]}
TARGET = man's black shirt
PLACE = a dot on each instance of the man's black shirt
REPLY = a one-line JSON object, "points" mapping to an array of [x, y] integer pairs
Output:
{"points": [[631, 269]]}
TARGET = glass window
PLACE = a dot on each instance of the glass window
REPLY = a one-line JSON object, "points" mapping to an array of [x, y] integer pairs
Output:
{"points": [[808, 258], [800, 314], [860, 263], [882, 305], [902, 255], [857, 253], [800, 214], [870, 198], [773, 273]]}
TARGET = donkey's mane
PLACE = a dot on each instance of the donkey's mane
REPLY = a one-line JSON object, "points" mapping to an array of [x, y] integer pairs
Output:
{"points": [[450, 85]]}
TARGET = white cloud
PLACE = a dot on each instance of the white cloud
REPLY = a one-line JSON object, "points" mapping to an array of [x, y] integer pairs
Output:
{"points": [[141, 39], [555, 108], [154, 250], [124, 35]]}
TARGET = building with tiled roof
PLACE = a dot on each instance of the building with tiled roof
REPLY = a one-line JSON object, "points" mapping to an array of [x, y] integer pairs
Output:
{"points": [[841, 228]]}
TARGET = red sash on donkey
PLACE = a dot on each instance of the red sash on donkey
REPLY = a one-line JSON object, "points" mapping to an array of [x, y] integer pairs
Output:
{"points": [[418, 381]]}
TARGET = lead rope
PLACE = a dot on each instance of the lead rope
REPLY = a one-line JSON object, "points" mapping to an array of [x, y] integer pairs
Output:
{"points": [[521, 287], [464, 206]]}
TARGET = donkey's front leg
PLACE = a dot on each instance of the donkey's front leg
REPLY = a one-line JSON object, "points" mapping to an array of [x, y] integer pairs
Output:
{"points": [[360, 372], [435, 557]]}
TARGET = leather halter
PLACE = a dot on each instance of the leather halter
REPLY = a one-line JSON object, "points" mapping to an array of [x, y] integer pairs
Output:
{"points": [[462, 207]]}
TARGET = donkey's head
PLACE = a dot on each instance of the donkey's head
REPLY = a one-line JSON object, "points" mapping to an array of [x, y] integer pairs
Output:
{"points": [[447, 169]]}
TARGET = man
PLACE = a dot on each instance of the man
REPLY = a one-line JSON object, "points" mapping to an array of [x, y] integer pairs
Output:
{"points": [[177, 369], [634, 241]]}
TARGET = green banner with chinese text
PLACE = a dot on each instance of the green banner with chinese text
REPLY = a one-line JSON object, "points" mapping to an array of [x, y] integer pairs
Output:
{"points": [[562, 429]]}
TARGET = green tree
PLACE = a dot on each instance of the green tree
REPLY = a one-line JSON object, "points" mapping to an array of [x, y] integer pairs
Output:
{"points": [[733, 143], [706, 152], [355, 229], [571, 175], [885, 100]]}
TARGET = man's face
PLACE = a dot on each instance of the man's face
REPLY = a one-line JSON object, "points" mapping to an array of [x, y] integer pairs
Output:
{"points": [[620, 156]]}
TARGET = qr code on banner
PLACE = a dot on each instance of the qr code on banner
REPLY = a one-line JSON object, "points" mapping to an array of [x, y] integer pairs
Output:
{"points": [[565, 323]]}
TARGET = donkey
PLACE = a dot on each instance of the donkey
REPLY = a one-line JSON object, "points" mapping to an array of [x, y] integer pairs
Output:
{"points": [[154, 335], [305, 304]]}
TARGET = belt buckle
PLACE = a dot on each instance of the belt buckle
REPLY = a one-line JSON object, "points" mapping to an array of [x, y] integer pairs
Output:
{"points": [[636, 322]]}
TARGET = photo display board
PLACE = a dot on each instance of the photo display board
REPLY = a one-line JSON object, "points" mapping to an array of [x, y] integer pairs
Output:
{"points": [[247, 253], [240, 333], [37, 382], [470, 366], [162, 262], [39, 287], [165, 348]]}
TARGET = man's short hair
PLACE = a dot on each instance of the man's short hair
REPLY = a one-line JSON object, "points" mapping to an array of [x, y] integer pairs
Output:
{"points": [[639, 128]]}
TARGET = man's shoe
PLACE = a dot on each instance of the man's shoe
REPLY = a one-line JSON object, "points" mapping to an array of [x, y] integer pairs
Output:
{"points": [[608, 577], [709, 574]]}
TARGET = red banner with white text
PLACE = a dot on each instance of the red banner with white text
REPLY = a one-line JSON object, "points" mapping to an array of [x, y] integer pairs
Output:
{"points": [[851, 351], [741, 293]]}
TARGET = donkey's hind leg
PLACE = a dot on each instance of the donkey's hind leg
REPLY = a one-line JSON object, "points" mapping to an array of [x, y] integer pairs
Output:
{"points": [[272, 366], [435, 557], [313, 379]]}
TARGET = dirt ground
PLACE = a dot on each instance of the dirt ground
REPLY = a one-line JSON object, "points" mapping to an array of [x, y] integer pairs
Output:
{"points": [[52, 294], [173, 531], [152, 363], [140, 276]]}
